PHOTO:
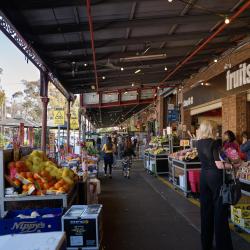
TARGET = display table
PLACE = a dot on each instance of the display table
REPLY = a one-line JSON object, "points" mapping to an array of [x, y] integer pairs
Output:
{"points": [[183, 168], [34, 241], [158, 164]]}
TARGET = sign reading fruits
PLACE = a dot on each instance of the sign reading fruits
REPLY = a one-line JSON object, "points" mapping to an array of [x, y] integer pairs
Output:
{"points": [[58, 117]]}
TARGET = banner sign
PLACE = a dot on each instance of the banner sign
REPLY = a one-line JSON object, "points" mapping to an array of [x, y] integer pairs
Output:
{"points": [[58, 117], [74, 123], [232, 81]]}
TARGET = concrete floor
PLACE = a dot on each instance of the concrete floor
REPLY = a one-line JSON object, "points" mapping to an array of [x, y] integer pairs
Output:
{"points": [[142, 213]]}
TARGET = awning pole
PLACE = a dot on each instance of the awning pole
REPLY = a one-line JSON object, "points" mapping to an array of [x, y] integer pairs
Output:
{"points": [[68, 127], [45, 100]]}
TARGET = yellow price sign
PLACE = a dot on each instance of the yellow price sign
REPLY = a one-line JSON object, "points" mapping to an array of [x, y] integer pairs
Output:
{"points": [[58, 117], [74, 123]]}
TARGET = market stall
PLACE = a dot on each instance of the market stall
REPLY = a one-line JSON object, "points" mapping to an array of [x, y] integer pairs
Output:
{"points": [[33, 178], [185, 170]]}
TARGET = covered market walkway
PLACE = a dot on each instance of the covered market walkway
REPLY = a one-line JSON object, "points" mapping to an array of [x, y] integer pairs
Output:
{"points": [[144, 214]]}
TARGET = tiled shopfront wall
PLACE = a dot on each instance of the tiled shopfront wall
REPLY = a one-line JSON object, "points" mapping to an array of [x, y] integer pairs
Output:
{"points": [[234, 113]]}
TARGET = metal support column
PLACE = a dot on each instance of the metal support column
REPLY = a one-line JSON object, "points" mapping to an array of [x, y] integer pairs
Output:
{"points": [[68, 127], [44, 80]]}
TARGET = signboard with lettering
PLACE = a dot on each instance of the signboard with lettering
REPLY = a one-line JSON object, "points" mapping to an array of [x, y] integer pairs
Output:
{"points": [[58, 117], [173, 115], [230, 82]]}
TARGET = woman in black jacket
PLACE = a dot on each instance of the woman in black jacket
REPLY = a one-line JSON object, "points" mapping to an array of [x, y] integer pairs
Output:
{"points": [[214, 214]]}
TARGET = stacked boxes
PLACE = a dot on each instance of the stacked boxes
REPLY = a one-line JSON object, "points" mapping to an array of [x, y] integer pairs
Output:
{"points": [[240, 216], [83, 227]]}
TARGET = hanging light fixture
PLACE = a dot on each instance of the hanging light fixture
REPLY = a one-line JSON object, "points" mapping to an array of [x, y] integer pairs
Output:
{"points": [[122, 68], [215, 60], [227, 20], [137, 71], [165, 68]]}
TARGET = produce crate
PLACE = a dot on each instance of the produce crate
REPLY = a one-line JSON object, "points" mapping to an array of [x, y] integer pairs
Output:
{"points": [[83, 227], [11, 224], [243, 223], [241, 211]]}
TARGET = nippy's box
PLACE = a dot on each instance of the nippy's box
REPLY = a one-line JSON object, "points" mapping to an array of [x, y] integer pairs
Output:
{"points": [[83, 227], [11, 224]]}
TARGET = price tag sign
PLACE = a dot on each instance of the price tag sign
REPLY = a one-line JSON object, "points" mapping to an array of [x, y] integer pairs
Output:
{"points": [[184, 143]]}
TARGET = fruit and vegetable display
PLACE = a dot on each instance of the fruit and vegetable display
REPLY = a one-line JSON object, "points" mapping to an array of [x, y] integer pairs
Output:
{"points": [[244, 172], [158, 140], [156, 151], [186, 155], [36, 175]]}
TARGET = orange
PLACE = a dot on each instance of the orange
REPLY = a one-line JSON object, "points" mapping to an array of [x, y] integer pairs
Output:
{"points": [[30, 179], [57, 185], [24, 174], [29, 175], [25, 187], [46, 186], [17, 183], [62, 190]]}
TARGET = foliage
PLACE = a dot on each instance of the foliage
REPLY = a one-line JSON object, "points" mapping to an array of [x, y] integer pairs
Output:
{"points": [[57, 100]]}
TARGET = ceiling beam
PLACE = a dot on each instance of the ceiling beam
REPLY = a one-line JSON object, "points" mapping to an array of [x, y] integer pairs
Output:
{"points": [[196, 35], [123, 23], [169, 60], [79, 46], [48, 4], [134, 52], [109, 71]]}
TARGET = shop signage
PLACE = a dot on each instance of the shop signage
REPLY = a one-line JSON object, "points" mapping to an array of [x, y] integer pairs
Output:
{"points": [[230, 82], [170, 106], [239, 77], [58, 117], [74, 123], [189, 101], [173, 115]]}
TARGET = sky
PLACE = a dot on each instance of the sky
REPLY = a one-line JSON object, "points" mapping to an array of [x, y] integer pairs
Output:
{"points": [[15, 68]]}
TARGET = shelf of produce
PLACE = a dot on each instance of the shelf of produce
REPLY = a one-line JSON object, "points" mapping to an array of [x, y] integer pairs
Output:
{"points": [[67, 199], [183, 167], [245, 187]]}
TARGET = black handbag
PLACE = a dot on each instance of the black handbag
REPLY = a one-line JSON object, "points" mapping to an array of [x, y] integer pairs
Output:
{"points": [[231, 189]]}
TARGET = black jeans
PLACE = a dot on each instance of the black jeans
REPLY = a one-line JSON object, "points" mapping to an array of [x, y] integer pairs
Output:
{"points": [[106, 165], [214, 215]]}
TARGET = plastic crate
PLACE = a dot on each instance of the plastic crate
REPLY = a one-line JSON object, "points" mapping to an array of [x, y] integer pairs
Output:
{"points": [[11, 224], [194, 180]]}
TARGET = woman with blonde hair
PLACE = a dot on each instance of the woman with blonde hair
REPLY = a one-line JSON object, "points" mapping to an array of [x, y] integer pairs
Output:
{"points": [[214, 214]]}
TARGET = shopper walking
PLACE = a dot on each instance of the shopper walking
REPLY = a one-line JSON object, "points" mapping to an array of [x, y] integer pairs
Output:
{"points": [[245, 146], [127, 157], [108, 149], [214, 214]]}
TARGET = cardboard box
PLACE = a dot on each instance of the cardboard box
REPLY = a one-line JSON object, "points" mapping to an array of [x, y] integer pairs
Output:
{"points": [[11, 224], [83, 226], [241, 211]]}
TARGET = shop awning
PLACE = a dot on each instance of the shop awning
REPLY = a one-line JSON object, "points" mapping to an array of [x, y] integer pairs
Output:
{"points": [[15, 122], [136, 42]]}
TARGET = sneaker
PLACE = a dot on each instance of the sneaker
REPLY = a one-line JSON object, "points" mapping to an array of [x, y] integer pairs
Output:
{"points": [[105, 175], [128, 177]]}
